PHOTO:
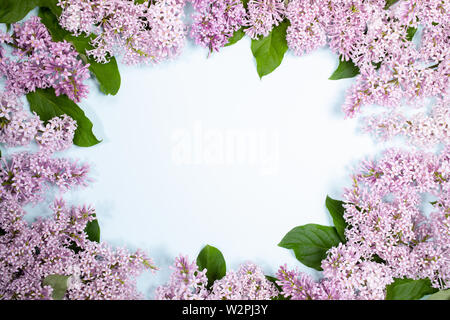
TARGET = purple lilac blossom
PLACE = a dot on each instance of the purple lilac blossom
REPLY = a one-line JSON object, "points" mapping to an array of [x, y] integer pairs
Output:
{"points": [[142, 32], [263, 15], [38, 62], [187, 282], [59, 245], [214, 22]]}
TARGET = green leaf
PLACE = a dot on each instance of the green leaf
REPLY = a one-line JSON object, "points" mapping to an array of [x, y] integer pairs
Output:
{"points": [[93, 230], [107, 74], [47, 106], [269, 51], [311, 243], [440, 295], [15, 10], [212, 259], [410, 32], [237, 35], [389, 3], [336, 209], [409, 289], [345, 69], [58, 283]]}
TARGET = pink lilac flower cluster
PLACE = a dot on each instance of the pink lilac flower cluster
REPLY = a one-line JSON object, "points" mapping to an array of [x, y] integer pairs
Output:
{"points": [[384, 210], [148, 31], [187, 282], [388, 235], [59, 246], [214, 22], [263, 15], [393, 70], [38, 62], [19, 128], [56, 245], [26, 176], [423, 129]]}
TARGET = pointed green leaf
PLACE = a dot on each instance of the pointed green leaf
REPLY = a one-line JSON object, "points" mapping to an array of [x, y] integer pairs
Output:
{"points": [[336, 209], [237, 35], [345, 69], [92, 230], [311, 243], [58, 283], [269, 51], [47, 106], [211, 259], [409, 289], [410, 32], [15, 10]]}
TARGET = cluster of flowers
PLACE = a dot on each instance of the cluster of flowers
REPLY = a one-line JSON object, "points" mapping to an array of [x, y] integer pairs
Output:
{"points": [[19, 128], [216, 21], [394, 70], [37, 62], [58, 244], [143, 31], [187, 282], [388, 234]]}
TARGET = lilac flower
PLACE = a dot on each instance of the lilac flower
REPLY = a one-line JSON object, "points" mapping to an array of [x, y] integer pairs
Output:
{"points": [[248, 283], [41, 63], [306, 32], [186, 282], [189, 283], [147, 32], [296, 285], [384, 213], [422, 129], [216, 21], [59, 245], [263, 15]]}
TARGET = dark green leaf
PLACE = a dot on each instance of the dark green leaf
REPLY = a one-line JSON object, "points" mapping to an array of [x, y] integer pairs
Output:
{"points": [[269, 51], [376, 258], [345, 69], [410, 32], [58, 283], [389, 3], [408, 289], [336, 209], [93, 230], [238, 35], [47, 106], [107, 74], [2, 232], [440, 295], [212, 259], [310, 243], [15, 10]]}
